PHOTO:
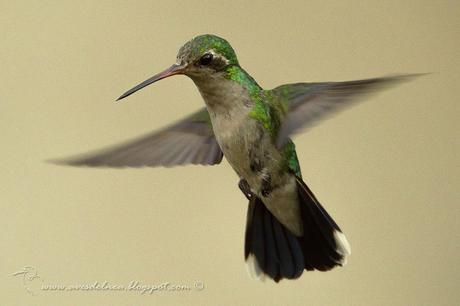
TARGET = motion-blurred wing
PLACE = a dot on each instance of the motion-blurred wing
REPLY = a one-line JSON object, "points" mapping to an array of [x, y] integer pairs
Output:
{"points": [[189, 141], [309, 102]]}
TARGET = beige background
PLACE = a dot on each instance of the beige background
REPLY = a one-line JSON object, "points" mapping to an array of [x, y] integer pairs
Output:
{"points": [[387, 169]]}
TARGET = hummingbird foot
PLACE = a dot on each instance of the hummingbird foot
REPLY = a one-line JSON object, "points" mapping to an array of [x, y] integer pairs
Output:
{"points": [[246, 189], [266, 187]]}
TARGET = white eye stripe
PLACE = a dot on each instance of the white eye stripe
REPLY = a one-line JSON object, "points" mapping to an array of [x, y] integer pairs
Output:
{"points": [[218, 56], [217, 59]]}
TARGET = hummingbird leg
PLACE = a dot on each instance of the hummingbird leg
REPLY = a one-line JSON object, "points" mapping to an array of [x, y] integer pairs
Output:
{"points": [[266, 187], [246, 189]]}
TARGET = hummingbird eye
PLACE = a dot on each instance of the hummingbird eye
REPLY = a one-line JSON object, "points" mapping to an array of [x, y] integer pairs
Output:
{"points": [[206, 59]]}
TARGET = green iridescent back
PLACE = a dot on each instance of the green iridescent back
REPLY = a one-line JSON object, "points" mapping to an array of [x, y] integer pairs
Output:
{"points": [[269, 109]]}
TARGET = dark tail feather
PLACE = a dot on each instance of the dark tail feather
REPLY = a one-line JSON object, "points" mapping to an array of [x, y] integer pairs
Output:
{"points": [[272, 250]]}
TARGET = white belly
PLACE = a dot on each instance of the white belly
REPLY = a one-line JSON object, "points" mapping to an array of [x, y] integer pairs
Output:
{"points": [[234, 133], [247, 146]]}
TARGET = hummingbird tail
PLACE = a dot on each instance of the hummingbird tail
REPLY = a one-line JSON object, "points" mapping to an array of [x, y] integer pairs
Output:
{"points": [[272, 251]]}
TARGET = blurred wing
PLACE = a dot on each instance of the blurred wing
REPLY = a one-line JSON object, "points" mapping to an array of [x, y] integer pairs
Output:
{"points": [[189, 141], [309, 102]]}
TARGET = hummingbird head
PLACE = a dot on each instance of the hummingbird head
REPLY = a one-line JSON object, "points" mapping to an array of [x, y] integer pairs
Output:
{"points": [[206, 54], [201, 57]]}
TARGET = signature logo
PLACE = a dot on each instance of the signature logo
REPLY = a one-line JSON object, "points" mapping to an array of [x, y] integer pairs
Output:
{"points": [[29, 277], [32, 282]]}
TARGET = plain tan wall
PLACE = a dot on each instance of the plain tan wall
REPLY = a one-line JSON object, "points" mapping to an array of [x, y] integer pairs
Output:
{"points": [[387, 169]]}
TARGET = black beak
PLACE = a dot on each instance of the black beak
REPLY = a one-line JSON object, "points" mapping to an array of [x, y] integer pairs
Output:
{"points": [[174, 69]]}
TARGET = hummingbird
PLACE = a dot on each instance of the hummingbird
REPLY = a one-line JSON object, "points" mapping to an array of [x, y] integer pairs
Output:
{"points": [[287, 229]]}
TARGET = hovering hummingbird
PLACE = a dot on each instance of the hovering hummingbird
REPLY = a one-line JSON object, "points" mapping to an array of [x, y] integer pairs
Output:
{"points": [[288, 230]]}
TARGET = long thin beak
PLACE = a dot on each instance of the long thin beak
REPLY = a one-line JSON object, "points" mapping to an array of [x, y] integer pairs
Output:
{"points": [[174, 69]]}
